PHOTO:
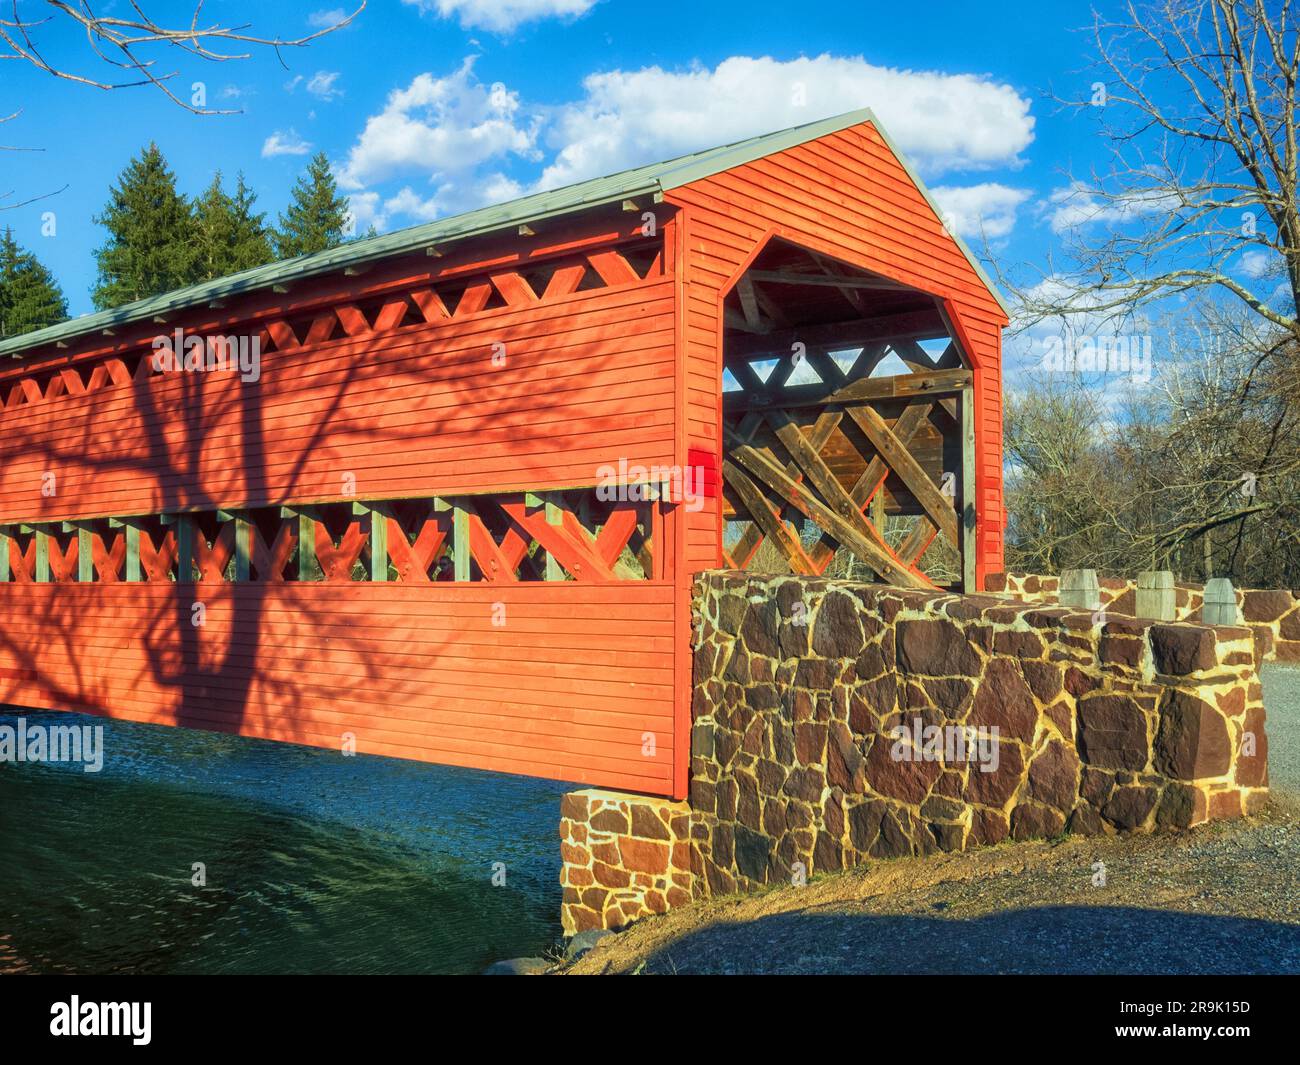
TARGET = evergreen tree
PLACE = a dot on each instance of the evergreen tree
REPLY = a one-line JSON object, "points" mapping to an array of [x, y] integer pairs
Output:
{"points": [[252, 239], [30, 298], [318, 216], [229, 235], [151, 245]]}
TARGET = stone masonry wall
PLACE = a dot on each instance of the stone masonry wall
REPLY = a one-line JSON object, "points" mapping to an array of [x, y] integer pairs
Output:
{"points": [[1019, 721], [625, 856], [1273, 615], [801, 683]]}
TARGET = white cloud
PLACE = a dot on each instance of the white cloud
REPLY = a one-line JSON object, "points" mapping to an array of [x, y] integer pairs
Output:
{"points": [[442, 127], [467, 138], [1077, 204], [282, 143], [502, 16], [986, 210], [321, 84], [319, 20], [1257, 264], [944, 122]]}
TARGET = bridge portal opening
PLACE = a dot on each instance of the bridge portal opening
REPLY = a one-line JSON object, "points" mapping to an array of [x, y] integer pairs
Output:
{"points": [[848, 426]]}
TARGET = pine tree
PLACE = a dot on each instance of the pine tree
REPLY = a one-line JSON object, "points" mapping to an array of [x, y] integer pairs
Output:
{"points": [[318, 216], [229, 235], [151, 245], [30, 298], [252, 239]]}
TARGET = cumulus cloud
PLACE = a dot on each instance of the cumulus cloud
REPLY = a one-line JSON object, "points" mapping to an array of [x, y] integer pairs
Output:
{"points": [[1258, 264], [321, 84], [321, 19], [986, 210], [469, 140], [284, 143], [444, 128], [945, 122], [502, 16], [1077, 204]]}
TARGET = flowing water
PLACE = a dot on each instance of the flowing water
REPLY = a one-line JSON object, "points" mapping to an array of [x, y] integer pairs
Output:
{"points": [[314, 862]]}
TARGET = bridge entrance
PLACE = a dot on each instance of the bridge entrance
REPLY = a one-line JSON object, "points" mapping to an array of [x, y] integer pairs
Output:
{"points": [[848, 426]]}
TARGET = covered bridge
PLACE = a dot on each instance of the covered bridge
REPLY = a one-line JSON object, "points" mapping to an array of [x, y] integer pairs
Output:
{"points": [[454, 511]]}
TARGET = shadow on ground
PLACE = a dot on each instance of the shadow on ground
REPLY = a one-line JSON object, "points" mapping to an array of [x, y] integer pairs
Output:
{"points": [[1049, 939]]}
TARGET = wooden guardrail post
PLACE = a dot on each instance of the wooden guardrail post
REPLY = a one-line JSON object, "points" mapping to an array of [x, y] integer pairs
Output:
{"points": [[131, 530], [184, 524], [1155, 595], [1080, 590], [42, 569], [1220, 603]]}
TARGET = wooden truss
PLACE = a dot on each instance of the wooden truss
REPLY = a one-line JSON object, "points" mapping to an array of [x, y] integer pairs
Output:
{"points": [[454, 298], [824, 453], [570, 535]]}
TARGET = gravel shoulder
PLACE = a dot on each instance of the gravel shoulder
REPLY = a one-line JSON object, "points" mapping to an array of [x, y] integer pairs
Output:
{"points": [[1224, 898]]}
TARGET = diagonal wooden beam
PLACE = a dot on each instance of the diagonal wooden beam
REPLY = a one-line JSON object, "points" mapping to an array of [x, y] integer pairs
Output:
{"points": [[486, 551], [821, 431], [565, 280], [474, 298], [832, 492], [613, 268], [768, 520], [578, 558], [430, 305], [936, 505], [391, 314], [767, 470], [918, 541], [749, 303], [514, 289]]}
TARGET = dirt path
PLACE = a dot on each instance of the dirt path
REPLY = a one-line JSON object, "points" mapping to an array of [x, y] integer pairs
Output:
{"points": [[1222, 899]]}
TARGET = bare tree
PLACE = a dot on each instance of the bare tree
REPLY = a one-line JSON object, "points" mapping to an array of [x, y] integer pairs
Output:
{"points": [[1198, 108], [128, 44]]}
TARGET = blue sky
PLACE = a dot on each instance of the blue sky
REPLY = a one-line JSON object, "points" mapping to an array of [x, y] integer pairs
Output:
{"points": [[430, 107]]}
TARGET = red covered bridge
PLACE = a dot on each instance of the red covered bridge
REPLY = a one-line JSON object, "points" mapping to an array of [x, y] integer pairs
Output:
{"points": [[455, 510]]}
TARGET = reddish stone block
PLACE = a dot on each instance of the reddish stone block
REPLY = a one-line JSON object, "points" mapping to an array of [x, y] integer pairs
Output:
{"points": [[1003, 700], [1112, 732], [1182, 649], [1192, 742], [610, 876], [1259, 605], [1225, 805], [1252, 767], [644, 856]]}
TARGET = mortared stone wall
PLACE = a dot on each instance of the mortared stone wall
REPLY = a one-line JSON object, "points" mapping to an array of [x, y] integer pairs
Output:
{"points": [[836, 722]]}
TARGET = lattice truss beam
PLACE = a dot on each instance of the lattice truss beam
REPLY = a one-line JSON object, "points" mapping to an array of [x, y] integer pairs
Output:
{"points": [[556, 536], [452, 299], [823, 451]]}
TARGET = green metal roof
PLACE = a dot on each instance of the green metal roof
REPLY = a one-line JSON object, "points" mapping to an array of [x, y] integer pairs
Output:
{"points": [[652, 179]]}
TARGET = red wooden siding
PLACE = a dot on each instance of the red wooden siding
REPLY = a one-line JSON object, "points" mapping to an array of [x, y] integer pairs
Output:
{"points": [[847, 195], [565, 688], [419, 410]]}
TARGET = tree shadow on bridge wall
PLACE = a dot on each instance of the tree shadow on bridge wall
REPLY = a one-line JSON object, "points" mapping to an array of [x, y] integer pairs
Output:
{"points": [[178, 422], [394, 409], [1066, 940]]}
